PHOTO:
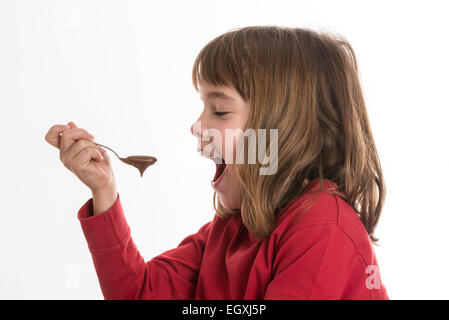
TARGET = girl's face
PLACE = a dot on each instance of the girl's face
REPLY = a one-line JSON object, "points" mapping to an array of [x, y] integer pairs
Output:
{"points": [[223, 109]]}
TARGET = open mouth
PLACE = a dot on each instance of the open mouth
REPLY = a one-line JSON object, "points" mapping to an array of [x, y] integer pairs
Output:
{"points": [[220, 169], [220, 165]]}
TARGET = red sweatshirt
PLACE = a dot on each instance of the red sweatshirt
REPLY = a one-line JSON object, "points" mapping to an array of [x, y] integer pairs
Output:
{"points": [[323, 254]]}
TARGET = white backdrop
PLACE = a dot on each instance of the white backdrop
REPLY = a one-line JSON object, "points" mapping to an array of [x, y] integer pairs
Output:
{"points": [[122, 70]]}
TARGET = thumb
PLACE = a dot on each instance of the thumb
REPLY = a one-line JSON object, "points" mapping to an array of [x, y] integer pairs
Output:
{"points": [[105, 155]]}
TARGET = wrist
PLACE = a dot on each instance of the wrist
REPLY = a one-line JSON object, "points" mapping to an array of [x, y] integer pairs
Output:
{"points": [[103, 199]]}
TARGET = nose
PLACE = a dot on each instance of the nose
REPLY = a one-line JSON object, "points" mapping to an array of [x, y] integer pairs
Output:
{"points": [[192, 132], [198, 129]]}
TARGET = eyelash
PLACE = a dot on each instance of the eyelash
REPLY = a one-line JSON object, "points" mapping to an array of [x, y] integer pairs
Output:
{"points": [[220, 113]]}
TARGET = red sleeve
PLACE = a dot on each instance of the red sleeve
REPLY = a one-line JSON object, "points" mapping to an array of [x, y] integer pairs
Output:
{"points": [[121, 270], [318, 262]]}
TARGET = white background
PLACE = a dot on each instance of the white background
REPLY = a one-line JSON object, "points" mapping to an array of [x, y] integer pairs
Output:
{"points": [[122, 70]]}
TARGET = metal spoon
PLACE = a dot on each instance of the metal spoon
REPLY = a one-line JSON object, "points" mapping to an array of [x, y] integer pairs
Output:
{"points": [[140, 162]]}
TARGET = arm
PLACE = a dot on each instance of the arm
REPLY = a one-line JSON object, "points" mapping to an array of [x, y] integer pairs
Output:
{"points": [[122, 271]]}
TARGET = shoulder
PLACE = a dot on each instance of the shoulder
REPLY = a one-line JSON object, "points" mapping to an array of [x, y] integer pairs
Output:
{"points": [[320, 215]]}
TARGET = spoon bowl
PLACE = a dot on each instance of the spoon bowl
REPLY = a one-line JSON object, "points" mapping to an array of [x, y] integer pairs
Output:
{"points": [[140, 162]]}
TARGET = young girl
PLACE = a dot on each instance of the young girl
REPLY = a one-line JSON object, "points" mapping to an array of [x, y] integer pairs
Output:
{"points": [[305, 231]]}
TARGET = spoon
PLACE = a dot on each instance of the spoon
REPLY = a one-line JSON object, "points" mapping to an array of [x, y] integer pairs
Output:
{"points": [[140, 162]]}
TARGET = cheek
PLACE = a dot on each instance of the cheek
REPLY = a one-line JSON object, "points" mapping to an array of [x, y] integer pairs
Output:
{"points": [[236, 189], [231, 197], [233, 178], [229, 147]]}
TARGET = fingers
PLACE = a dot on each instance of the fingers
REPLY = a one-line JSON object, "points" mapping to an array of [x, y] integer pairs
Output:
{"points": [[70, 136], [82, 159], [77, 147], [53, 135], [72, 125], [105, 155]]}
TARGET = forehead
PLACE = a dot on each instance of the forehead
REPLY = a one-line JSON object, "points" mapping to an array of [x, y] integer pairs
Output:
{"points": [[209, 91]]}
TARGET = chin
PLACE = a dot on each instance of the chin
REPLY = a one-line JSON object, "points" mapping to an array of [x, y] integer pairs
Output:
{"points": [[229, 203]]}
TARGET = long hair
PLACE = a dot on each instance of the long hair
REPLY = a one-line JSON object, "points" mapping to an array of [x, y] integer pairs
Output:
{"points": [[304, 83]]}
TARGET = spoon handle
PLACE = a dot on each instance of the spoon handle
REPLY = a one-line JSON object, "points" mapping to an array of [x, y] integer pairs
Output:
{"points": [[109, 149]]}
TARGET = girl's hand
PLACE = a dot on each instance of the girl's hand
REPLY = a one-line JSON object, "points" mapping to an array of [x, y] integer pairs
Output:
{"points": [[89, 162]]}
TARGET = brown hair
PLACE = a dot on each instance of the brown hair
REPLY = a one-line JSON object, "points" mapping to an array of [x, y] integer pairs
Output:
{"points": [[305, 84]]}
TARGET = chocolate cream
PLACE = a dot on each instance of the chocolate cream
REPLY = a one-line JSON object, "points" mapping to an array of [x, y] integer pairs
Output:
{"points": [[140, 162]]}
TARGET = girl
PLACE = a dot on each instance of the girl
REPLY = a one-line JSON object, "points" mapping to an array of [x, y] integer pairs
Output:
{"points": [[302, 232]]}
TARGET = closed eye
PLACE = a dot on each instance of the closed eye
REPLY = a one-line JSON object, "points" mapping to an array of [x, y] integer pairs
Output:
{"points": [[220, 113]]}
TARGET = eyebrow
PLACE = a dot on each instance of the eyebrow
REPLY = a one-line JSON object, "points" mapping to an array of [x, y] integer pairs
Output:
{"points": [[220, 95]]}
